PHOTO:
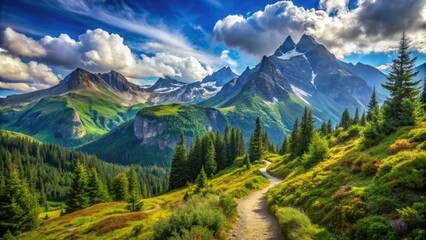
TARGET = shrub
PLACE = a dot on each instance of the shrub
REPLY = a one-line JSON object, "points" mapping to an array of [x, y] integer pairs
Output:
{"points": [[354, 210], [228, 205], [399, 145], [411, 216], [317, 152], [374, 227]]}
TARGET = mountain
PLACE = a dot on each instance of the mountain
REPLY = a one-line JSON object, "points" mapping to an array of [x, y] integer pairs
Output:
{"points": [[150, 138], [220, 77], [298, 75], [164, 85], [422, 71], [81, 107]]}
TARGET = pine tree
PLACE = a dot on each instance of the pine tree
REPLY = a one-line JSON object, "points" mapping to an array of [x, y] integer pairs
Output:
{"points": [[241, 143], [195, 158], [78, 197], [19, 208], [247, 162], [363, 120], [345, 120], [120, 187], [256, 143], [202, 181], [356, 120], [284, 146], [210, 164], [233, 150], [399, 109], [294, 140], [134, 190], [329, 126], [323, 129], [220, 149], [178, 174], [306, 131], [373, 106], [97, 191]]}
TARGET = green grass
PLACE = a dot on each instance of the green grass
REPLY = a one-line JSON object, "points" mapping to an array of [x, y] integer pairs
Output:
{"points": [[353, 183], [113, 221]]}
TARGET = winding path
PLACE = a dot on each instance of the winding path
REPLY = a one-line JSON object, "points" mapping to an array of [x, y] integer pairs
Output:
{"points": [[255, 221]]}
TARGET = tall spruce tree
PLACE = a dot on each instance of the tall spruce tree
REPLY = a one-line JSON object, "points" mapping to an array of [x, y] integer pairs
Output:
{"points": [[78, 197], [178, 174], [195, 158], [134, 190], [363, 120], [345, 120], [241, 143], [256, 143], [399, 107], [356, 120], [306, 131], [210, 164], [294, 140], [120, 187], [329, 126], [201, 180], [373, 106], [220, 149], [284, 146], [97, 191], [19, 208], [323, 129]]}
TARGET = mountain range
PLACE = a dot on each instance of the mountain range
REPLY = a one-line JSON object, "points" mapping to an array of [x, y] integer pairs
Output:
{"points": [[105, 108]]}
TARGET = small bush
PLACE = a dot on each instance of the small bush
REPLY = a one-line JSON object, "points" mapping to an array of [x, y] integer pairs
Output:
{"points": [[228, 205], [354, 210], [411, 216], [398, 146], [374, 228]]}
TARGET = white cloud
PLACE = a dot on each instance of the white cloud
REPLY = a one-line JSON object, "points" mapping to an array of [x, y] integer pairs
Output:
{"points": [[17, 75], [225, 57], [375, 26], [21, 45], [99, 51], [383, 67]]}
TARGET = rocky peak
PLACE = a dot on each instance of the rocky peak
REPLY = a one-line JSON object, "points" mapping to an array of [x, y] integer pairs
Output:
{"points": [[117, 81], [306, 42], [221, 77], [287, 46], [80, 79], [166, 82]]}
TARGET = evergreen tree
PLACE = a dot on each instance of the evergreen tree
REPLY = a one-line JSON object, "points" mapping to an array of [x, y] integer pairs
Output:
{"points": [[256, 143], [373, 106], [210, 164], [329, 126], [284, 146], [78, 197], [323, 129], [294, 140], [399, 109], [178, 174], [195, 158], [318, 151], [247, 162], [134, 190], [423, 96], [363, 120], [220, 149], [233, 150], [120, 187], [19, 208], [202, 181], [96, 189], [241, 143], [306, 131], [356, 120], [345, 120]]}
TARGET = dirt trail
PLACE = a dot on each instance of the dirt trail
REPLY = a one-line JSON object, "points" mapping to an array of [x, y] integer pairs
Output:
{"points": [[255, 221]]}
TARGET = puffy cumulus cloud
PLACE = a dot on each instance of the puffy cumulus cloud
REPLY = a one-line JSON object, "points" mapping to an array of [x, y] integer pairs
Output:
{"points": [[374, 26], [99, 51], [19, 44], [17, 75], [186, 69]]}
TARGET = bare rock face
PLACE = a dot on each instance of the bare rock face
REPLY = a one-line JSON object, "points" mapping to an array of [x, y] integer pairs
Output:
{"points": [[70, 126], [150, 133]]}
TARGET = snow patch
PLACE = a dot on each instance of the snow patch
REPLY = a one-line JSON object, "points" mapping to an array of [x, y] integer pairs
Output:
{"points": [[301, 94], [290, 54], [166, 90]]}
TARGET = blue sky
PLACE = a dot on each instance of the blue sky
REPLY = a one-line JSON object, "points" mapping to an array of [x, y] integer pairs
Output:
{"points": [[189, 39]]}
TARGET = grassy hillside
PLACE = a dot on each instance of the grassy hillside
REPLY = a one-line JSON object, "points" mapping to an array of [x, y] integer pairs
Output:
{"points": [[99, 112], [356, 192], [113, 221]]}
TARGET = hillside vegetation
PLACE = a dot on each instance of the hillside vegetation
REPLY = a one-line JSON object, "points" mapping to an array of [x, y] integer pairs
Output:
{"points": [[357, 191]]}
